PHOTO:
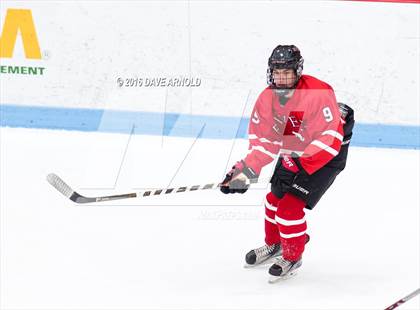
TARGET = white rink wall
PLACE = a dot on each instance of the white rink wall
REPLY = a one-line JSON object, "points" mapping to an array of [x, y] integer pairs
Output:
{"points": [[367, 51]]}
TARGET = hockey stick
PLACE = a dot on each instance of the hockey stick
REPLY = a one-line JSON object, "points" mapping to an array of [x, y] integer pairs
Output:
{"points": [[68, 192], [403, 300]]}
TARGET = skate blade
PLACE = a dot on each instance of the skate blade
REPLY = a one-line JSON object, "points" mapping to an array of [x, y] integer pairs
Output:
{"points": [[263, 264], [274, 279]]}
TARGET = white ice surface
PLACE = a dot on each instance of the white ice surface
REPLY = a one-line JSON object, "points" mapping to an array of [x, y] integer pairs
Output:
{"points": [[186, 251]]}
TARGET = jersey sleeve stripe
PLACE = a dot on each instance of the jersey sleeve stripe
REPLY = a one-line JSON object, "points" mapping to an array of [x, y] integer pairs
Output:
{"points": [[289, 152], [263, 140], [325, 147], [333, 133]]}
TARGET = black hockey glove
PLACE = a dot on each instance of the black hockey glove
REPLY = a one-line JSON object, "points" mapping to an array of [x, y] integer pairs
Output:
{"points": [[287, 170], [290, 177], [237, 180]]}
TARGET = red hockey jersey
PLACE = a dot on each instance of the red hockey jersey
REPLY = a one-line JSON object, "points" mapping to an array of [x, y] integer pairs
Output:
{"points": [[309, 124]]}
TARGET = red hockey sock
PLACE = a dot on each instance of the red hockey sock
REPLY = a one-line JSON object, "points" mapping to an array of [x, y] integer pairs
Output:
{"points": [[271, 230], [291, 223]]}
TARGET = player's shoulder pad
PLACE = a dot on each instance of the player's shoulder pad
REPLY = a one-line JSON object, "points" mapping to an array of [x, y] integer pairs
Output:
{"points": [[314, 83]]}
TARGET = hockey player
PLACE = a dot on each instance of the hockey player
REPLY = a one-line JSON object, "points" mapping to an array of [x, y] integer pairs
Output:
{"points": [[298, 121]]}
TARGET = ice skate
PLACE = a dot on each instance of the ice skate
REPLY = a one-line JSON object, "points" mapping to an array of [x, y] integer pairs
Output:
{"points": [[283, 269], [265, 255], [262, 255]]}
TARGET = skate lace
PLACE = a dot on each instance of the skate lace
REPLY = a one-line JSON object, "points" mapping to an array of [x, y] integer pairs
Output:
{"points": [[264, 250], [282, 262]]}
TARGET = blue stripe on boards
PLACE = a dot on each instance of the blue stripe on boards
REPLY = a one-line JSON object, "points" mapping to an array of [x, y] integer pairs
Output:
{"points": [[181, 125]]}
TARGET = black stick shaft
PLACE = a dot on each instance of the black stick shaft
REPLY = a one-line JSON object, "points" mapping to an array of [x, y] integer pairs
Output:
{"points": [[68, 192]]}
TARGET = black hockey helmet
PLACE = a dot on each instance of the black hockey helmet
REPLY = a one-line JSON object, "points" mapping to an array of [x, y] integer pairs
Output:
{"points": [[285, 57]]}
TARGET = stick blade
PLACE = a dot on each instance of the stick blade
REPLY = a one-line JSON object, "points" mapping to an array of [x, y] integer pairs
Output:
{"points": [[66, 190], [60, 185]]}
